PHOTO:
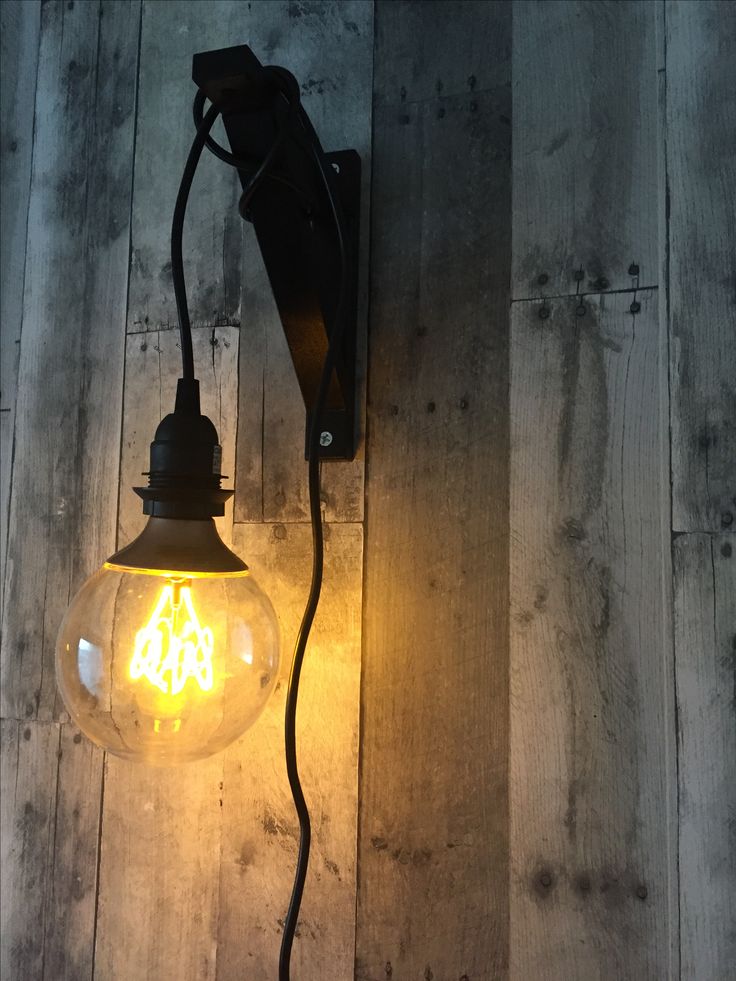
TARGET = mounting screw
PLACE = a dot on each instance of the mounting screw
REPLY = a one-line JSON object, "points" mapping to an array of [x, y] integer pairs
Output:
{"points": [[633, 269], [580, 310], [635, 307], [543, 279], [543, 313], [325, 438], [579, 275]]}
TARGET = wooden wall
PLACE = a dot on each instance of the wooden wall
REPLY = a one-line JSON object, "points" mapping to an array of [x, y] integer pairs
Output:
{"points": [[517, 729]]}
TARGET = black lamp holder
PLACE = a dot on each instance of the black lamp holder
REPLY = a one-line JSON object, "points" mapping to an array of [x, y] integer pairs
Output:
{"points": [[291, 203]]}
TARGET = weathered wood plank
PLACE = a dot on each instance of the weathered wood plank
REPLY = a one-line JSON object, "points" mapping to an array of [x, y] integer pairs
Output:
{"points": [[330, 52], [152, 366], [585, 157], [259, 825], [19, 35], [701, 188], [592, 730], [433, 846], [172, 33], [71, 884], [417, 61], [67, 432], [705, 648], [158, 897], [28, 778]]}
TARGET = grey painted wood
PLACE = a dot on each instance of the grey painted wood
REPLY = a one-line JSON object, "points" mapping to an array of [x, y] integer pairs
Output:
{"points": [[158, 904], [29, 776], [329, 48], [705, 647], [585, 154], [259, 830], [701, 251], [19, 34], [65, 472], [593, 808], [50, 814], [433, 842]]}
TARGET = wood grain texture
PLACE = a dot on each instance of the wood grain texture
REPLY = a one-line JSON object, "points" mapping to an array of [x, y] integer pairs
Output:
{"points": [[50, 816], [433, 843], [158, 901], [28, 776], [593, 876], [701, 189], [329, 49], [705, 653], [67, 432], [260, 831], [585, 154], [19, 36]]}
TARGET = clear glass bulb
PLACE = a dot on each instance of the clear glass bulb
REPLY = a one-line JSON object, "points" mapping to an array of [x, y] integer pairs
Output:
{"points": [[166, 666]]}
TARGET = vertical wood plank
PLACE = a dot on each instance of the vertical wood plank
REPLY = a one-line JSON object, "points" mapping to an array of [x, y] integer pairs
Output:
{"points": [[329, 49], [701, 246], [28, 754], [67, 432], [585, 156], [19, 36], [592, 731], [433, 842], [158, 903], [260, 831], [705, 652], [71, 883]]}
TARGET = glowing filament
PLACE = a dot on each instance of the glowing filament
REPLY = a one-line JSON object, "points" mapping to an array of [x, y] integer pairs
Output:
{"points": [[173, 646]]}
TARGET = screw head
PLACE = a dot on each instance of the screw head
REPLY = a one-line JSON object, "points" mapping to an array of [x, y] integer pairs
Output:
{"points": [[543, 313], [633, 269], [635, 307], [580, 310], [579, 275], [543, 279], [325, 439]]}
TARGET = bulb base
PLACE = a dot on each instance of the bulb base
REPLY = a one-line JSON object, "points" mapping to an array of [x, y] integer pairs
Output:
{"points": [[184, 477], [178, 547]]}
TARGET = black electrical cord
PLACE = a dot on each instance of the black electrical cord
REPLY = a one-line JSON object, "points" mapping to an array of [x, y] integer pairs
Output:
{"points": [[289, 89], [177, 229]]}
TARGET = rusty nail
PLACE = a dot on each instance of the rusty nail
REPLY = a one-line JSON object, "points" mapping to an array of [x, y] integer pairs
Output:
{"points": [[641, 892], [545, 879]]}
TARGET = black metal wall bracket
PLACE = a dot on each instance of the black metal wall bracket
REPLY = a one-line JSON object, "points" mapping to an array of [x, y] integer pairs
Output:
{"points": [[295, 230]]}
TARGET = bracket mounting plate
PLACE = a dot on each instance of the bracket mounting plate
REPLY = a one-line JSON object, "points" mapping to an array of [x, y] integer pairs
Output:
{"points": [[296, 233]]}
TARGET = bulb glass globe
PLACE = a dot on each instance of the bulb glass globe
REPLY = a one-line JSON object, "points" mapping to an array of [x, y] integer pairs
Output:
{"points": [[167, 666]]}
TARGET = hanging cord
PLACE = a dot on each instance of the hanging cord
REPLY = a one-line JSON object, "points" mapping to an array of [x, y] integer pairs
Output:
{"points": [[177, 229], [308, 140]]}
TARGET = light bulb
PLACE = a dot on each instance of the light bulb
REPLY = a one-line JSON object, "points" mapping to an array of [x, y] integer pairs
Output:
{"points": [[170, 651]]}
